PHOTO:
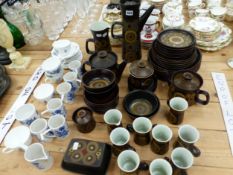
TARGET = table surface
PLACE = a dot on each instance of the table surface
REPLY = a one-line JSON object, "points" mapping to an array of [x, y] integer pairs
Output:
{"points": [[216, 155]]}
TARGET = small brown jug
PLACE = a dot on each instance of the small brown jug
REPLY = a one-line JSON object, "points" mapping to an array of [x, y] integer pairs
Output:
{"points": [[84, 119]]}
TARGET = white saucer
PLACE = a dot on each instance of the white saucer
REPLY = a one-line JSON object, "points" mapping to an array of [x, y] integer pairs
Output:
{"points": [[148, 40], [77, 56], [73, 51], [230, 62]]}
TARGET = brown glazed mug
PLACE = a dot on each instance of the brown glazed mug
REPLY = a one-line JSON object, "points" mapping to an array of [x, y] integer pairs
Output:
{"points": [[187, 137], [161, 136], [100, 38], [141, 127], [113, 119], [129, 163], [120, 140], [178, 106], [84, 119], [187, 84]]}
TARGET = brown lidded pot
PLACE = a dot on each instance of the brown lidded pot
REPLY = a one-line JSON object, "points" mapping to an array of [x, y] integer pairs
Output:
{"points": [[187, 84], [105, 60], [141, 76], [84, 119]]}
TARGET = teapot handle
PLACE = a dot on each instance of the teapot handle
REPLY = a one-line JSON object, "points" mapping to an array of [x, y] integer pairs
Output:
{"points": [[83, 69], [112, 30], [87, 46], [203, 102]]}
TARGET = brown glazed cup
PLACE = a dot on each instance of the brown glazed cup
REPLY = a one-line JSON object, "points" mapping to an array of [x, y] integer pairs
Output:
{"points": [[100, 38], [113, 119], [161, 136], [187, 137], [141, 127], [83, 117], [178, 106], [120, 140]]}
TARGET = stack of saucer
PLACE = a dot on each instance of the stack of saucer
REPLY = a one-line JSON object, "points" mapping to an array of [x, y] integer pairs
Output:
{"points": [[211, 35], [174, 50], [66, 51], [101, 91], [158, 3]]}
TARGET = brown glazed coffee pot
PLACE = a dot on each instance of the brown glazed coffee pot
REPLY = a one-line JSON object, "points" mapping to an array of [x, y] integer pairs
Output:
{"points": [[141, 76], [187, 84], [105, 60], [84, 119]]}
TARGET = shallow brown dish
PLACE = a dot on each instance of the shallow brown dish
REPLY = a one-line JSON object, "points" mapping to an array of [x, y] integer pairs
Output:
{"points": [[140, 103], [98, 80]]}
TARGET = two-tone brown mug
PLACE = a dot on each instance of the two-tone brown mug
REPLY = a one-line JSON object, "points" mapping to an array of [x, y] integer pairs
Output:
{"points": [[161, 136], [187, 84], [141, 127], [84, 119], [187, 137], [120, 140], [113, 119], [100, 38]]}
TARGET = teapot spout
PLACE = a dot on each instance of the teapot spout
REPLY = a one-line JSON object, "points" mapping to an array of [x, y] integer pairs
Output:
{"points": [[144, 17], [120, 69]]}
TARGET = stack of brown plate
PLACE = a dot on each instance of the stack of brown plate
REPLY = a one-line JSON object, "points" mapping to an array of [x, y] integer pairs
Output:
{"points": [[101, 91], [174, 50]]}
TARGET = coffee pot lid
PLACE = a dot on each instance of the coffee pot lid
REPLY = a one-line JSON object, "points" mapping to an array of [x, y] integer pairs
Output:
{"points": [[103, 59], [141, 69], [187, 80]]}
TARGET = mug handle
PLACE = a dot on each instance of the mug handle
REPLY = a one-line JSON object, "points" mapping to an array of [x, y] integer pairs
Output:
{"points": [[84, 66], [87, 46], [129, 127], [203, 102], [44, 112], [195, 151], [42, 135], [112, 30], [7, 150]]}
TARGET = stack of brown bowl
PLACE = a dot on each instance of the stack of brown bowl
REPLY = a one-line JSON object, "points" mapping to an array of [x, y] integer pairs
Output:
{"points": [[101, 91], [174, 50]]}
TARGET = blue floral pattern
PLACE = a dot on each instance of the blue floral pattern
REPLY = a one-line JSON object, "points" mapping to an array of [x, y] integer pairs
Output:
{"points": [[61, 111], [62, 132], [29, 121]]}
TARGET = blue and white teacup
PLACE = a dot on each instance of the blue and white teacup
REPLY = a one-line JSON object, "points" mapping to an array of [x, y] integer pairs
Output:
{"points": [[55, 106], [58, 125], [53, 69], [71, 77], [26, 114], [65, 91]]}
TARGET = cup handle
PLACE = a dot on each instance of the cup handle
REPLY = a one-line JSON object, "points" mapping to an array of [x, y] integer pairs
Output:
{"points": [[129, 127], [87, 46], [112, 30], [195, 151], [62, 97], [44, 112], [44, 133], [143, 166], [7, 150], [203, 5], [203, 102], [84, 66]]}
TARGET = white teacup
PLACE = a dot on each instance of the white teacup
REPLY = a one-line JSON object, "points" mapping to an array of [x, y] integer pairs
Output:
{"points": [[151, 24], [53, 70], [38, 157], [17, 138], [61, 47], [218, 13], [65, 91], [202, 12], [55, 106], [75, 66], [160, 166], [71, 77], [213, 3], [38, 127], [26, 114], [58, 126], [44, 92]]}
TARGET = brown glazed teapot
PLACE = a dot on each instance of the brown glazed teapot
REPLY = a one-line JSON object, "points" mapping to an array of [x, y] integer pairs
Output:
{"points": [[105, 60], [141, 76], [187, 84], [84, 119]]}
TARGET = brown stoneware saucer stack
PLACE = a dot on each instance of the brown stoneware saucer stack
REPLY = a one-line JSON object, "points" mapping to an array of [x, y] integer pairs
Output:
{"points": [[174, 50]]}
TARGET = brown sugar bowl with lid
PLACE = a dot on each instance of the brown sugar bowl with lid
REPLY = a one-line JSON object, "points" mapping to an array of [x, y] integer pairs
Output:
{"points": [[84, 119], [187, 84], [141, 76]]}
